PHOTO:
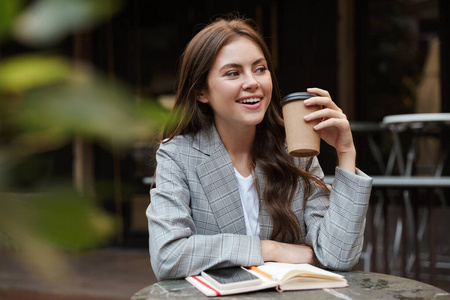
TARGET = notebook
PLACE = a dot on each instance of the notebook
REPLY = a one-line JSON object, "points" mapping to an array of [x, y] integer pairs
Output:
{"points": [[280, 276]]}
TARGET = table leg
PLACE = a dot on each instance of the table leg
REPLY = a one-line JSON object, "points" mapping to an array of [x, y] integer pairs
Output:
{"points": [[371, 246], [404, 241], [432, 250], [416, 237], [386, 236], [397, 243]]}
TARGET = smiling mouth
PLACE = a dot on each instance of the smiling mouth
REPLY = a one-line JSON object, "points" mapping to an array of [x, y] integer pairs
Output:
{"points": [[249, 101]]}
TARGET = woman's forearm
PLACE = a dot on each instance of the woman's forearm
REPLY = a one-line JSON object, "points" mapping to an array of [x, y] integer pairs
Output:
{"points": [[286, 253], [347, 161]]}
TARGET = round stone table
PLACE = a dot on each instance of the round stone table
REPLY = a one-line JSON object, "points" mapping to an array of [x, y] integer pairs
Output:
{"points": [[362, 285]]}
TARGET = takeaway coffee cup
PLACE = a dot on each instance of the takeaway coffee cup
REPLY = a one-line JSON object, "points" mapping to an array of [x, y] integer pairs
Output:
{"points": [[301, 138]]}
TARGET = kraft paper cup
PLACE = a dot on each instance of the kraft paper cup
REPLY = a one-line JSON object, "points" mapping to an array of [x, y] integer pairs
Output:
{"points": [[301, 138]]}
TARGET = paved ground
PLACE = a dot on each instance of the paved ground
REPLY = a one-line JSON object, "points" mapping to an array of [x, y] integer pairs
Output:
{"points": [[96, 275]]}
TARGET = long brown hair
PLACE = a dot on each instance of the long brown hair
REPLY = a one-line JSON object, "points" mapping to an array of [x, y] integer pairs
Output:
{"points": [[268, 152]]}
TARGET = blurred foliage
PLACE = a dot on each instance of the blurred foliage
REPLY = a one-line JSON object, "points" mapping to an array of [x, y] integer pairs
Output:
{"points": [[9, 9], [48, 22], [23, 72], [61, 218], [46, 101], [85, 106]]}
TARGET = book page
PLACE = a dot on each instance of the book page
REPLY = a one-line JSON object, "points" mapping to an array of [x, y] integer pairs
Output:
{"points": [[283, 271]]}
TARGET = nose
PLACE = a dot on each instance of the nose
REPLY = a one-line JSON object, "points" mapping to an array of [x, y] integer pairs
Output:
{"points": [[250, 83]]}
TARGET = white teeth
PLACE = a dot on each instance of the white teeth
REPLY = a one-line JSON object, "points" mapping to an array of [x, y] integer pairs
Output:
{"points": [[251, 100]]}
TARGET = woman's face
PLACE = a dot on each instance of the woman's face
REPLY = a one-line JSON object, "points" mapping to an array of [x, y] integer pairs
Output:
{"points": [[239, 85]]}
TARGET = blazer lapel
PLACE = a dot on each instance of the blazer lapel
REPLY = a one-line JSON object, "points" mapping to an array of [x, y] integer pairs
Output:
{"points": [[218, 179]]}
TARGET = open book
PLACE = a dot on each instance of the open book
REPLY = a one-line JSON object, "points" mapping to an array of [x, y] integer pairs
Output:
{"points": [[280, 276]]}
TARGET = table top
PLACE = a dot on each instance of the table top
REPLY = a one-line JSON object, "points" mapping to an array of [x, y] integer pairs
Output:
{"points": [[417, 118], [362, 285], [404, 181]]}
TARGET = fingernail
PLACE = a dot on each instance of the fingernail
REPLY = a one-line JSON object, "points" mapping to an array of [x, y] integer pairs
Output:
{"points": [[306, 101]]}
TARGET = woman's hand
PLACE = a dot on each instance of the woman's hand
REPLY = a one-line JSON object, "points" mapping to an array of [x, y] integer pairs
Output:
{"points": [[333, 128], [286, 253]]}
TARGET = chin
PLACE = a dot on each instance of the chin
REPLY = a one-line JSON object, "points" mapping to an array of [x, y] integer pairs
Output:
{"points": [[255, 121]]}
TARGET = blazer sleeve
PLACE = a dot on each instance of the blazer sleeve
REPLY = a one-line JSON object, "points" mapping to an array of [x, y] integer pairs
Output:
{"points": [[335, 222], [176, 251]]}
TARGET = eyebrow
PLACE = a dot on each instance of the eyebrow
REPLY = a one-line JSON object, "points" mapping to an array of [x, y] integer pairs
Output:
{"points": [[235, 65]]}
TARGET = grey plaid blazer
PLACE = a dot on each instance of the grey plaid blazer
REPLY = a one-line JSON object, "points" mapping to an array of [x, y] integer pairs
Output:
{"points": [[196, 220]]}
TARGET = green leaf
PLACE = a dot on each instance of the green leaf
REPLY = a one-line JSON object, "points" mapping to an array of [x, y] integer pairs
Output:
{"points": [[153, 112], [4, 167], [8, 11], [93, 109], [23, 72], [47, 22], [70, 221], [61, 219]]}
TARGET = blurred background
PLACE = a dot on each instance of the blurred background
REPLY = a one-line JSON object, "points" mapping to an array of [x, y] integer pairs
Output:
{"points": [[85, 86]]}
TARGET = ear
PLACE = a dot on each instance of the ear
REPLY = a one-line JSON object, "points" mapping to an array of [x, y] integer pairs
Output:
{"points": [[202, 97]]}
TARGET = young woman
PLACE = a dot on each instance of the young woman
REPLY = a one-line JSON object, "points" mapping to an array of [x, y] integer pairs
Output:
{"points": [[227, 193]]}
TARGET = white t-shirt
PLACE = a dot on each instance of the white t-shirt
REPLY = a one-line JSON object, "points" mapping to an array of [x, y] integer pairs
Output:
{"points": [[250, 202]]}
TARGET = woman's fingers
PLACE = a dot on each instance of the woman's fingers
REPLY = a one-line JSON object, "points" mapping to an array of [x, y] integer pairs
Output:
{"points": [[334, 128], [332, 122], [319, 92], [330, 114], [325, 113], [322, 101]]}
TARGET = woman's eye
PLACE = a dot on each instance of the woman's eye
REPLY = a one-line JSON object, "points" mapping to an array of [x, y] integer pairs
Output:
{"points": [[232, 74], [261, 70]]}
